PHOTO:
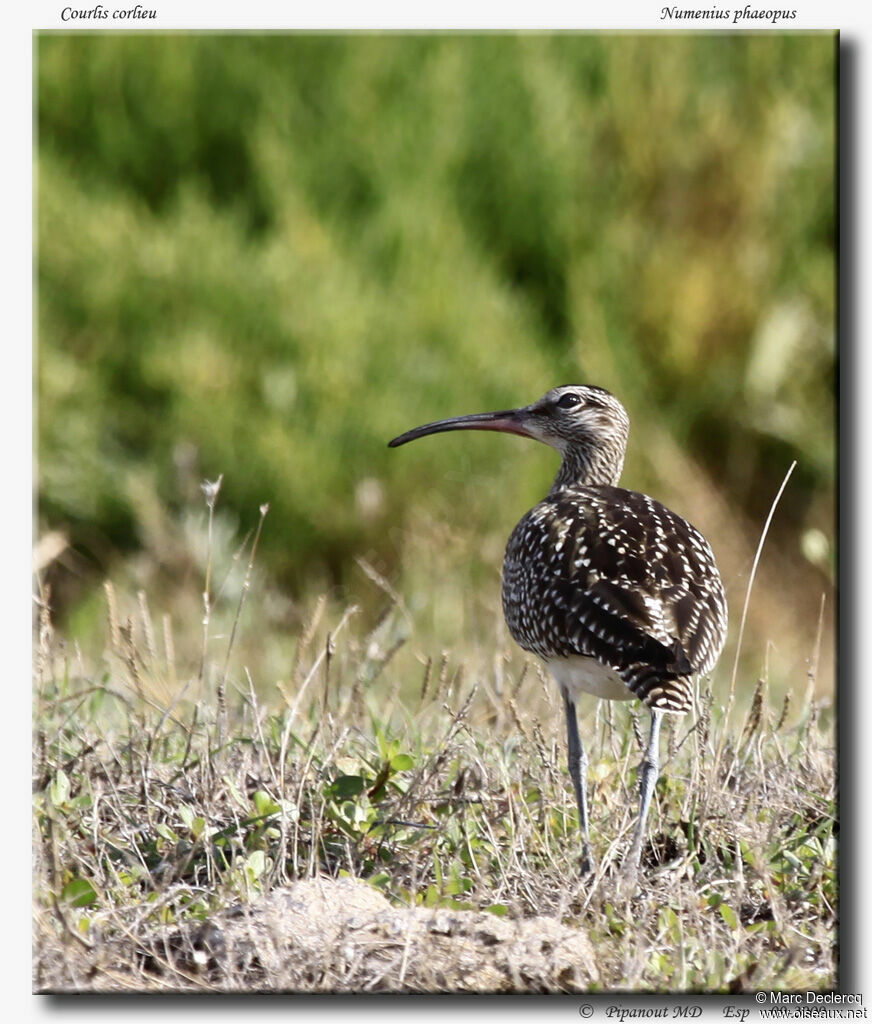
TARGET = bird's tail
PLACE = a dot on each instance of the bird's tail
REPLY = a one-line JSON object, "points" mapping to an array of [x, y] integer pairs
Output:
{"points": [[666, 687]]}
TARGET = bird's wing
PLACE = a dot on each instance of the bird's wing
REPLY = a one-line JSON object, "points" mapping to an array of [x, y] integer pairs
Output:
{"points": [[616, 576]]}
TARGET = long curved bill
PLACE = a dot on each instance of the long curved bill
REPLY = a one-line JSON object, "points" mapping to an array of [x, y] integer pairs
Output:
{"points": [[510, 421]]}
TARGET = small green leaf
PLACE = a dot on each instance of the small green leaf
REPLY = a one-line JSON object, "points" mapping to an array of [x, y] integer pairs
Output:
{"points": [[500, 909], [456, 885], [165, 832], [264, 803], [79, 893], [670, 919], [791, 859], [402, 762], [729, 915], [59, 789], [347, 786], [431, 897], [255, 864]]}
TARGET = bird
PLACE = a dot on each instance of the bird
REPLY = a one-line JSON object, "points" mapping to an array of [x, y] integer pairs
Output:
{"points": [[618, 596]]}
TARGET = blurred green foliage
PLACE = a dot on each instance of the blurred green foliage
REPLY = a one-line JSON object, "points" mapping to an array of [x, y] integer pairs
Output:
{"points": [[265, 255]]}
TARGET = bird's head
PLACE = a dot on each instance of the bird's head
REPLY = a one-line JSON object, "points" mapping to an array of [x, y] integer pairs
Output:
{"points": [[586, 424]]}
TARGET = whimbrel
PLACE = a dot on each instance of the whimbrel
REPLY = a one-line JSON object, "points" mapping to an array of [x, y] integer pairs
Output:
{"points": [[620, 597]]}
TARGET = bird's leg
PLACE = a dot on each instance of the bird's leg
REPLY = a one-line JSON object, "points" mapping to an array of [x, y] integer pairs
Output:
{"points": [[578, 772], [648, 778]]}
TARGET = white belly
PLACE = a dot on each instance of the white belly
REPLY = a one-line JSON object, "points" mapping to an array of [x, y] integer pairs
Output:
{"points": [[577, 674]]}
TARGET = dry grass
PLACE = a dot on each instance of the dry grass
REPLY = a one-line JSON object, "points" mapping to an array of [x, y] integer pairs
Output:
{"points": [[158, 805]]}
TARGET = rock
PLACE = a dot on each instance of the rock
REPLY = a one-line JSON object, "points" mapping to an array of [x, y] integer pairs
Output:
{"points": [[342, 935]]}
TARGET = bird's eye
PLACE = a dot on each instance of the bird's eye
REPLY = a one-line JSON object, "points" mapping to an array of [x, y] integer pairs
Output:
{"points": [[568, 400]]}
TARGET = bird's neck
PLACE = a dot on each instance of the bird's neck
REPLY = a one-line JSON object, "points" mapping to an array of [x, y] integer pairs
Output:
{"points": [[589, 467]]}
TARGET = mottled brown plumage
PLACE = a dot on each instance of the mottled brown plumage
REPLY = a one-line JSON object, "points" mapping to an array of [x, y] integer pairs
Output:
{"points": [[613, 575]]}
